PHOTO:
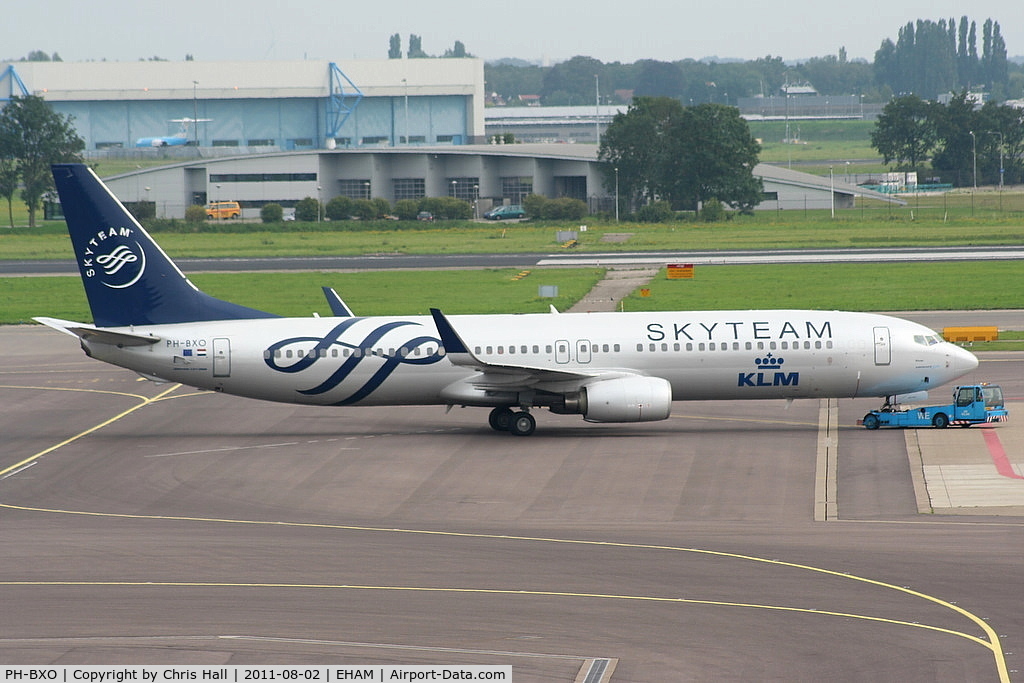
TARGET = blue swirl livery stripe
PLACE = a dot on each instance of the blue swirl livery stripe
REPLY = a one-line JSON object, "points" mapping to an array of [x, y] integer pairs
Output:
{"points": [[365, 349]]}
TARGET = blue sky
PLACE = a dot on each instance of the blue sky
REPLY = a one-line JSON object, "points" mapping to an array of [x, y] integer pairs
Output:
{"points": [[224, 30]]}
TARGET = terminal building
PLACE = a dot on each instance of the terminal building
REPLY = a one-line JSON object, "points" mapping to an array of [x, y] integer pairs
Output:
{"points": [[260, 132]]}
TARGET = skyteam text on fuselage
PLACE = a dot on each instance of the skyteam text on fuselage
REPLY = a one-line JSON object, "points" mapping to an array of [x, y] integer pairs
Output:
{"points": [[607, 367]]}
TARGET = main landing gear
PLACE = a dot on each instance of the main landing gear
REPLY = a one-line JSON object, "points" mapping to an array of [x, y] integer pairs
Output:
{"points": [[519, 423]]}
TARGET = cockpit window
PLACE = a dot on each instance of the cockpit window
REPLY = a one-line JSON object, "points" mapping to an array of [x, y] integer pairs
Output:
{"points": [[927, 339]]}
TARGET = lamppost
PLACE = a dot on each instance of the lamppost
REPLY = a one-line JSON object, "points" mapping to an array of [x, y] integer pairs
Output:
{"points": [[974, 151], [318, 203], [616, 194], [597, 109], [195, 112], [832, 192], [455, 189]]}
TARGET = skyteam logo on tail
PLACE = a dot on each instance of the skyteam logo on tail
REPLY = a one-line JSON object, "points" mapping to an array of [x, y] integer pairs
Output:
{"points": [[115, 257], [769, 374]]}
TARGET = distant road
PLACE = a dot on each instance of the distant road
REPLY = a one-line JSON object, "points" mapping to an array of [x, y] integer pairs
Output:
{"points": [[567, 259]]}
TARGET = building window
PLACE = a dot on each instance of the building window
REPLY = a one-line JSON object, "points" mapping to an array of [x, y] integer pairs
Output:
{"points": [[261, 177], [354, 188], [262, 142], [464, 188], [409, 188], [375, 139], [515, 188], [574, 187], [225, 143], [445, 138]]}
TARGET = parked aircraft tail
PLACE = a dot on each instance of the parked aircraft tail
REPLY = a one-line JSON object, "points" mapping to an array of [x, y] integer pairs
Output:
{"points": [[128, 278]]}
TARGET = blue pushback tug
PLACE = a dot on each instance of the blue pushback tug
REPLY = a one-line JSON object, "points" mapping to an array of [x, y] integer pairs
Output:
{"points": [[972, 404]]}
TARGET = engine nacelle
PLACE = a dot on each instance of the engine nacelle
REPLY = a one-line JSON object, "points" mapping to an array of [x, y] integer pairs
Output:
{"points": [[627, 399]]}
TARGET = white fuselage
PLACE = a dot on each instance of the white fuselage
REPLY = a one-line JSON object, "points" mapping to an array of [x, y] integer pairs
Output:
{"points": [[400, 360]]}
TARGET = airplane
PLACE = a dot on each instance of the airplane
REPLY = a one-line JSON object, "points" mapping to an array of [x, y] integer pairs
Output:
{"points": [[178, 139], [617, 367]]}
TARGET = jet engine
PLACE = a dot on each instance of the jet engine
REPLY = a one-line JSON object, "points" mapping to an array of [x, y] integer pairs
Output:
{"points": [[626, 399]]}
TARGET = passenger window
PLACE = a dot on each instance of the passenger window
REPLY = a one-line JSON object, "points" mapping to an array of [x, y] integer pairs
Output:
{"points": [[536, 350]]}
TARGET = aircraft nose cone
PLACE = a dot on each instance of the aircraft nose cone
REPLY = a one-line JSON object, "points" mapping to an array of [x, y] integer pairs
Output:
{"points": [[963, 360]]}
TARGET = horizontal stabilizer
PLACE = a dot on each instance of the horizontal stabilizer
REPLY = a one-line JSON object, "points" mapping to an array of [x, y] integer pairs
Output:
{"points": [[90, 333]]}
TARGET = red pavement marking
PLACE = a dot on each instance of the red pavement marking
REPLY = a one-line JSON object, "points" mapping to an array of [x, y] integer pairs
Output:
{"points": [[999, 457]]}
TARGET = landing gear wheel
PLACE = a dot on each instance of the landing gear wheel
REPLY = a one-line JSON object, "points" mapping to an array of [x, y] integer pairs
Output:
{"points": [[522, 424], [500, 419], [940, 421], [871, 421]]}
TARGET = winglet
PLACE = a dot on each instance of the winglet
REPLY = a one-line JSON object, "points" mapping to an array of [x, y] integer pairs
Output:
{"points": [[456, 349], [338, 307]]}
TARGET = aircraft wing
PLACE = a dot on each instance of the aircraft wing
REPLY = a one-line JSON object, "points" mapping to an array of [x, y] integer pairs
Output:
{"points": [[104, 336], [509, 377]]}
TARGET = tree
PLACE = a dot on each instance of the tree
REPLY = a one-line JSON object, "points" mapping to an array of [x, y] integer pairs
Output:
{"points": [[954, 155], [710, 153], [271, 213], [36, 137], [395, 46], [571, 82], [685, 156], [340, 208], [416, 47], [8, 165], [905, 131], [307, 209], [630, 147], [1000, 137], [458, 51]]}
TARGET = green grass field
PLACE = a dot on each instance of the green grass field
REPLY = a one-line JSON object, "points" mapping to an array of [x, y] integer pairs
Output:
{"points": [[299, 294], [857, 287]]}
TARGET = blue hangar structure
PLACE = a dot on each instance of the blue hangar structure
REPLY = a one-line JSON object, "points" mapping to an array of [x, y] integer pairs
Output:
{"points": [[259, 132]]}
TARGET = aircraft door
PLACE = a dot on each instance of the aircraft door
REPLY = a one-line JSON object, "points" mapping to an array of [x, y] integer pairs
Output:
{"points": [[562, 351], [582, 351], [883, 346], [221, 357]]}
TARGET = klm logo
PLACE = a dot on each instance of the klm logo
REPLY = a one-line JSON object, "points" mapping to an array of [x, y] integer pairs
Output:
{"points": [[769, 374]]}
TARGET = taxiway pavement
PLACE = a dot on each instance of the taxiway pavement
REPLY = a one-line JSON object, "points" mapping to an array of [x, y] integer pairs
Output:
{"points": [[144, 523]]}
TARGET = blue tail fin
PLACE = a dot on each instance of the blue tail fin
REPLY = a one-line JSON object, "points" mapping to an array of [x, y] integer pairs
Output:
{"points": [[128, 278]]}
